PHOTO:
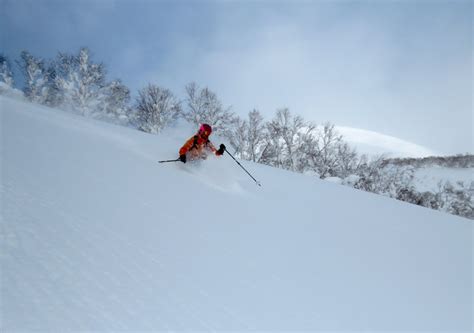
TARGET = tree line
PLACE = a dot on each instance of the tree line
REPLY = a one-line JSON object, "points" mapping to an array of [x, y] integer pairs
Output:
{"points": [[76, 83]]}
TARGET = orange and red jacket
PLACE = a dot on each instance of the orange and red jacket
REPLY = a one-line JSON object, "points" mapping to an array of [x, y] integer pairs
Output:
{"points": [[196, 145]]}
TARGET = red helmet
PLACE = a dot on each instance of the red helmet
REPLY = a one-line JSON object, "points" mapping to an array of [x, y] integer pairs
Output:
{"points": [[205, 130]]}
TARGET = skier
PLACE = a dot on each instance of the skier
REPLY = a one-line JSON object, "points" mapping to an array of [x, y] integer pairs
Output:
{"points": [[197, 145]]}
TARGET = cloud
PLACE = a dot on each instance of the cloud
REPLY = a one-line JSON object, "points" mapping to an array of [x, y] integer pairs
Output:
{"points": [[401, 68], [379, 70], [277, 62]]}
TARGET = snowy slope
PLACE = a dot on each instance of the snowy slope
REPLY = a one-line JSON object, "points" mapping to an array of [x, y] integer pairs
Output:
{"points": [[96, 235], [427, 179]]}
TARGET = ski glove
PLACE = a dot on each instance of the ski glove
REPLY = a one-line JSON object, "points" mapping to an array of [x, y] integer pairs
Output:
{"points": [[221, 149], [182, 158]]}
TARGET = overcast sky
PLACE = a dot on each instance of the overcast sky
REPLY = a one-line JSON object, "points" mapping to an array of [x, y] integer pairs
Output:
{"points": [[402, 68]]}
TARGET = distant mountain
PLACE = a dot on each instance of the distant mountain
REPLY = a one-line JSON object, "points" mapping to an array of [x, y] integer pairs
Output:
{"points": [[374, 143]]}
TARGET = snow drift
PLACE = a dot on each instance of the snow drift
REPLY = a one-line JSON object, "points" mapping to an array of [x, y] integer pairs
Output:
{"points": [[96, 235]]}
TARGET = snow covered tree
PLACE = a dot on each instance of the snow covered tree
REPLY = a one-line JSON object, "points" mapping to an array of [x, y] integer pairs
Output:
{"points": [[64, 78], [203, 106], [346, 160], [287, 140], [53, 96], [248, 136], [389, 180], [81, 86], [36, 78], [6, 75], [237, 138], [328, 155], [430, 200], [288, 127], [80, 81], [323, 155], [369, 173], [156, 108], [457, 198], [274, 151], [255, 136], [409, 194], [307, 141], [115, 107]]}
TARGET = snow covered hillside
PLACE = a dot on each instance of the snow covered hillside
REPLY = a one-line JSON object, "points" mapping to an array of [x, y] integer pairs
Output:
{"points": [[427, 179], [96, 235], [373, 144]]}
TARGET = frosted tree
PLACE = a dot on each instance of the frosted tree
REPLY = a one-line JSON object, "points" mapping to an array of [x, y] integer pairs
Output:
{"points": [[389, 180], [203, 106], [115, 102], [248, 136], [53, 96], [286, 138], [64, 78], [80, 81], [156, 108], [346, 160], [37, 84], [238, 137], [273, 152], [255, 136], [457, 198], [306, 141], [6, 75], [323, 153], [370, 174]]}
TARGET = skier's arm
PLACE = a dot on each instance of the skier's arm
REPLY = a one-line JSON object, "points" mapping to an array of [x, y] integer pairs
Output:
{"points": [[185, 148], [219, 151], [211, 147]]}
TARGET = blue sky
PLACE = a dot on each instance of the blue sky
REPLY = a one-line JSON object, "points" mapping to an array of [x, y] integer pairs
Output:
{"points": [[402, 68]]}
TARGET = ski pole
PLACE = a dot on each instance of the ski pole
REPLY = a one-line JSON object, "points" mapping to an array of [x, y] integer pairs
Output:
{"points": [[256, 181], [176, 160]]}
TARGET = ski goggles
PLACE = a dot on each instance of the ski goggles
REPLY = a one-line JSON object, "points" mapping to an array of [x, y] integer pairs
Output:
{"points": [[204, 133]]}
